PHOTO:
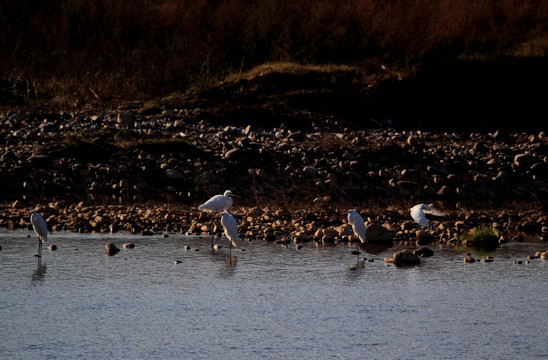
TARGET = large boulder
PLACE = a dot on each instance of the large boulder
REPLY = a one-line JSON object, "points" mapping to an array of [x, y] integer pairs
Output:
{"points": [[378, 235], [111, 249], [424, 252], [424, 237], [404, 258]]}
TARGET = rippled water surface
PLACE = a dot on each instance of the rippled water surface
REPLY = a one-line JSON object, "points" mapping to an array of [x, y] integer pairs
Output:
{"points": [[268, 302]]}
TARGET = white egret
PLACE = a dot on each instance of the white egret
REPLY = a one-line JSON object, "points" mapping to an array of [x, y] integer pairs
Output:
{"points": [[216, 204], [358, 226], [231, 228], [40, 228], [418, 213]]}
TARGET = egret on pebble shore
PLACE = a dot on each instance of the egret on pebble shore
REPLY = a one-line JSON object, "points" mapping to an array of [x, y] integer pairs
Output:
{"points": [[216, 204]]}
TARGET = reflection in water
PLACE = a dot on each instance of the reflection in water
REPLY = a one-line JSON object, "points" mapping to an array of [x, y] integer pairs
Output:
{"points": [[229, 267], [38, 274], [374, 249], [264, 299], [355, 270]]}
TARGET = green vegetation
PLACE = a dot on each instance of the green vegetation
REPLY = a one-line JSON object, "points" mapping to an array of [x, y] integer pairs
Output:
{"points": [[480, 238], [78, 53]]}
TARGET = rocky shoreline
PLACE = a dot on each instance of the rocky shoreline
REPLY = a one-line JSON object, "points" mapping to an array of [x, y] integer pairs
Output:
{"points": [[145, 172]]}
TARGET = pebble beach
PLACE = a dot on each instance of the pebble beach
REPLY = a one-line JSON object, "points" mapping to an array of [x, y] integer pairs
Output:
{"points": [[146, 173]]}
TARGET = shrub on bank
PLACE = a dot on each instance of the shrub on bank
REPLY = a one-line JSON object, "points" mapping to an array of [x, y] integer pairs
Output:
{"points": [[481, 238]]}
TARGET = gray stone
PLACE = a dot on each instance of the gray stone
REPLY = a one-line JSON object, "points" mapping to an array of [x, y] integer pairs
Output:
{"points": [[523, 160], [378, 234], [174, 174], [234, 154], [310, 171], [423, 252], [39, 160], [404, 258]]}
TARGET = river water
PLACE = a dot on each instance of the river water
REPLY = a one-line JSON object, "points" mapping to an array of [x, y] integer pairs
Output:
{"points": [[266, 302]]}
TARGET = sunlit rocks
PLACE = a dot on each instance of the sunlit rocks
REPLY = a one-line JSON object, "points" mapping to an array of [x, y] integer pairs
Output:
{"points": [[255, 211], [128, 245], [174, 174], [40, 160], [523, 160], [529, 227], [424, 252], [379, 235], [344, 230], [112, 249], [269, 235], [445, 190], [234, 154], [424, 237], [329, 232], [282, 214], [310, 171], [518, 238], [328, 240], [412, 141], [52, 220], [52, 247], [283, 241], [403, 258], [289, 179], [469, 260]]}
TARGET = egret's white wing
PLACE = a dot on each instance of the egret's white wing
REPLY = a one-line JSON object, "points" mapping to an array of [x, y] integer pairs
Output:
{"points": [[434, 211], [418, 215], [216, 203], [231, 227], [40, 227]]}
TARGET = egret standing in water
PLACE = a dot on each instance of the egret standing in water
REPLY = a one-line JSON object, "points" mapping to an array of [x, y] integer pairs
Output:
{"points": [[40, 228], [418, 213], [231, 228], [358, 226], [216, 204]]}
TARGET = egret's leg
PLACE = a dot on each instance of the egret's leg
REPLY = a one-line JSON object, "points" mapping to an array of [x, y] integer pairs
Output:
{"points": [[212, 227], [230, 253], [39, 247], [357, 251]]}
